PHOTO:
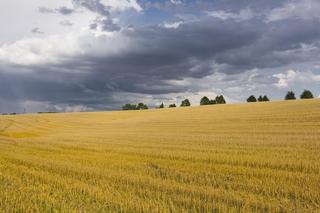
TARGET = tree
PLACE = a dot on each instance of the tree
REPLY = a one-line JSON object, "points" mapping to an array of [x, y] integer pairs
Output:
{"points": [[204, 101], [290, 96], [252, 99], [161, 106], [172, 106], [185, 103], [129, 107], [220, 100], [307, 94], [265, 98], [212, 102], [142, 106]]}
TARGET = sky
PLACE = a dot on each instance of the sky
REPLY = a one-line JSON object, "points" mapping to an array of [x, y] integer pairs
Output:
{"points": [[92, 55]]}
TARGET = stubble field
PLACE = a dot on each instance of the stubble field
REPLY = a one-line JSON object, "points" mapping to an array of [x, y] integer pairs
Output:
{"points": [[262, 157]]}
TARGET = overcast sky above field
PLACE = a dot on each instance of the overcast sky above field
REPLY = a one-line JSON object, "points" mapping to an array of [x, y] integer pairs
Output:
{"points": [[71, 55]]}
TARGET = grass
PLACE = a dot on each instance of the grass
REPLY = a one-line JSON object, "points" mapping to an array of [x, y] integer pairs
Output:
{"points": [[262, 157]]}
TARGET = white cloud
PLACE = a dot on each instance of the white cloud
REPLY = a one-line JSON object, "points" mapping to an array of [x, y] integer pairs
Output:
{"points": [[304, 9], [176, 1], [172, 25], [243, 15], [122, 5], [76, 108], [235, 89], [290, 77], [57, 49], [45, 39]]}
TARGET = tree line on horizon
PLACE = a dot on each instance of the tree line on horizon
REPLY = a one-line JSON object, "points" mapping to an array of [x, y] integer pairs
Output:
{"points": [[306, 94]]}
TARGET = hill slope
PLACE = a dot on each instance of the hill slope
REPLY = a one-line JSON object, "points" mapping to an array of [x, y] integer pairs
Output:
{"points": [[249, 157]]}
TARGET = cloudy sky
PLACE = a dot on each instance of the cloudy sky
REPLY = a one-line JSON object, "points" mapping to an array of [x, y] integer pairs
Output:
{"points": [[83, 55]]}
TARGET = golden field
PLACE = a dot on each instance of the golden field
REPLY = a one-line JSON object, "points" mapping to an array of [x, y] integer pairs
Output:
{"points": [[261, 157]]}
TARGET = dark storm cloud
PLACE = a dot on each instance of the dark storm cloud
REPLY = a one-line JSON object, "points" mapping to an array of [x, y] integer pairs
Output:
{"points": [[173, 54], [189, 51], [279, 44], [158, 55]]}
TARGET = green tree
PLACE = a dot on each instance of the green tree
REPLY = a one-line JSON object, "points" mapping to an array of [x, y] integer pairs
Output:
{"points": [[172, 106], [252, 99], [185, 103], [220, 100], [129, 107], [307, 94], [161, 106], [265, 98], [204, 101], [260, 99], [142, 106], [290, 96], [212, 102]]}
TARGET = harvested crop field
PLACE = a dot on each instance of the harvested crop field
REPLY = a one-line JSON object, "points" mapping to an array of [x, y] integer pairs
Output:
{"points": [[261, 157]]}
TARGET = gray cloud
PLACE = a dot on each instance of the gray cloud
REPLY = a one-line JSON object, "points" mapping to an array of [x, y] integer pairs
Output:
{"points": [[66, 23], [104, 24], [36, 30], [65, 10], [61, 10], [104, 19], [93, 5]]}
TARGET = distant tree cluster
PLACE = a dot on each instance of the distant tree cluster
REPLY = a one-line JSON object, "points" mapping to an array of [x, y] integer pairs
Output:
{"points": [[306, 94], [163, 106], [218, 100], [185, 103], [290, 96], [251, 99], [261, 98], [140, 106]]}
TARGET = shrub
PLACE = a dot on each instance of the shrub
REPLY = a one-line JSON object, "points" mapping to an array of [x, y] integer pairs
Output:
{"points": [[252, 99], [172, 106], [307, 94], [185, 103], [290, 96]]}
